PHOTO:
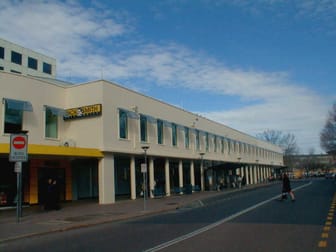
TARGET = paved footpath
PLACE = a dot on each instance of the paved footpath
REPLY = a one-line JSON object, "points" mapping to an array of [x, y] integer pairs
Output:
{"points": [[84, 213]]}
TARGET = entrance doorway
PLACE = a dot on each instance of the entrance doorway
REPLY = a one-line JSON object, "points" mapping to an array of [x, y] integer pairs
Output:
{"points": [[46, 173]]}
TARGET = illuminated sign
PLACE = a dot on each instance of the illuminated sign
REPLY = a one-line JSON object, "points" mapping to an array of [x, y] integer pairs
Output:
{"points": [[83, 112]]}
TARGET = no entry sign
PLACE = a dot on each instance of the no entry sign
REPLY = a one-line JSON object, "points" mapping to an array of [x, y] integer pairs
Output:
{"points": [[18, 148]]}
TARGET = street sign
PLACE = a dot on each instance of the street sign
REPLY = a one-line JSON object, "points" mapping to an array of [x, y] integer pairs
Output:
{"points": [[143, 168], [18, 167], [18, 148]]}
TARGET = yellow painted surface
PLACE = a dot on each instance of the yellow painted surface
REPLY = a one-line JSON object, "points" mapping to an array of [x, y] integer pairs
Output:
{"points": [[33, 187], [35, 149]]}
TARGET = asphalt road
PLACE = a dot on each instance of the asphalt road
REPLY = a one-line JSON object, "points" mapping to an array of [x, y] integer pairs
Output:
{"points": [[250, 220]]}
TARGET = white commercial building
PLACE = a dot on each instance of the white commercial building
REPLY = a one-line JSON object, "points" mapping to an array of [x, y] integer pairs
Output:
{"points": [[20, 60], [91, 137]]}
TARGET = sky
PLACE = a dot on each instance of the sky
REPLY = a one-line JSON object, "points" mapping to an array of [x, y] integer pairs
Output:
{"points": [[250, 65]]}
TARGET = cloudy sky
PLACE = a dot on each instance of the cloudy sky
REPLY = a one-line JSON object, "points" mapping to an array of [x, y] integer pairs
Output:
{"points": [[251, 65]]}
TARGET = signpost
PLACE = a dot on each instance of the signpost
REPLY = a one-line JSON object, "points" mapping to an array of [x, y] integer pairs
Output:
{"points": [[144, 172], [18, 154]]}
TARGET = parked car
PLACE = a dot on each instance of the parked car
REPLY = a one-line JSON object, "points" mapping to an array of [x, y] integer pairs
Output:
{"points": [[330, 175]]}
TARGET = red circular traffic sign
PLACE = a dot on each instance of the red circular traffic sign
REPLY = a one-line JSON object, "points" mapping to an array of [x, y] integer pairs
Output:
{"points": [[19, 142]]}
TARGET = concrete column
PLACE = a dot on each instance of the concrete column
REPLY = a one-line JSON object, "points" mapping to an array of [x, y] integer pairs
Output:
{"points": [[180, 169], [151, 177], [241, 173], [167, 177], [202, 176], [247, 175], [255, 174], [192, 173], [106, 180], [251, 175], [133, 180]]}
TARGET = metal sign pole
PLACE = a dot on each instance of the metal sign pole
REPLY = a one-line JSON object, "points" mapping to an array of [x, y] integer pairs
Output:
{"points": [[18, 154], [18, 169]]}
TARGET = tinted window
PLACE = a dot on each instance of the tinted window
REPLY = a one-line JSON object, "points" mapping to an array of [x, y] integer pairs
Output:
{"points": [[13, 120], [2, 52], [143, 128], [16, 57], [46, 68], [32, 63], [122, 124]]}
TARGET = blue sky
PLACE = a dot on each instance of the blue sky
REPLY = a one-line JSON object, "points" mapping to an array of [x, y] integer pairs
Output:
{"points": [[251, 65]]}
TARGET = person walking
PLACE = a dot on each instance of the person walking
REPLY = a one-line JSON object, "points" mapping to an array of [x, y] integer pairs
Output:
{"points": [[286, 188]]}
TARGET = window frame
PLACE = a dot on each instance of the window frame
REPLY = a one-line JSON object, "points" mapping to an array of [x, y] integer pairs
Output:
{"points": [[2, 52], [48, 127], [47, 68], [174, 134], [16, 57], [143, 129], [17, 114], [123, 124], [32, 63], [160, 135]]}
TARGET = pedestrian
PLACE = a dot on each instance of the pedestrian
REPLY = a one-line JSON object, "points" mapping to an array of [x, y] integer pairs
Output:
{"points": [[286, 188], [239, 181], [244, 180], [52, 201], [48, 195]]}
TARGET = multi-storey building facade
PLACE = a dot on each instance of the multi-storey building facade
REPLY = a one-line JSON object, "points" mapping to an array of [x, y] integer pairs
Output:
{"points": [[20, 60], [90, 137]]}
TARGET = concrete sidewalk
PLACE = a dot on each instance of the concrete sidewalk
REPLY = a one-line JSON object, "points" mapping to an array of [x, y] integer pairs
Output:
{"points": [[84, 213]]}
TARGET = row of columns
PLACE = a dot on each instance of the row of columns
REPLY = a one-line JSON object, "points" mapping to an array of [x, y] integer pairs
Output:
{"points": [[167, 176], [253, 174]]}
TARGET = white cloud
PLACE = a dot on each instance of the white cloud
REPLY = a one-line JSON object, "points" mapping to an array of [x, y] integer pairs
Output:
{"points": [[54, 27], [70, 32]]}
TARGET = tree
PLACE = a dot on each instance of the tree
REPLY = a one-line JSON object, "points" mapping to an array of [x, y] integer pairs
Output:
{"points": [[328, 133], [287, 142]]}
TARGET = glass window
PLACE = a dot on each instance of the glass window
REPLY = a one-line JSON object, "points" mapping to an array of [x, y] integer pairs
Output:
{"points": [[32, 63], [1, 68], [222, 145], [46, 68], [207, 142], [16, 58], [174, 134], [123, 124], [215, 144], [197, 140], [2, 52], [13, 119], [51, 124], [186, 137], [143, 128], [160, 131]]}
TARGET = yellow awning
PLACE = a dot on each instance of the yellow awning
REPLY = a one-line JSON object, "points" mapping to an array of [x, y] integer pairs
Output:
{"points": [[48, 150]]}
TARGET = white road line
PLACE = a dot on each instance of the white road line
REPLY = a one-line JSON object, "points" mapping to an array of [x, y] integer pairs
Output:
{"points": [[215, 224]]}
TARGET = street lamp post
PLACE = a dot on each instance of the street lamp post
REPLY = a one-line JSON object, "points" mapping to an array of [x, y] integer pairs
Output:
{"points": [[144, 173]]}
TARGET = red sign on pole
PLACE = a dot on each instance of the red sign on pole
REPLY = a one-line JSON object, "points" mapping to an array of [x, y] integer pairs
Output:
{"points": [[18, 148], [19, 142]]}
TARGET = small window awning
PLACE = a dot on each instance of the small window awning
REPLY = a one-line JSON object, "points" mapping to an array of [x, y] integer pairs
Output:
{"points": [[130, 114], [56, 111], [18, 104], [150, 119]]}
